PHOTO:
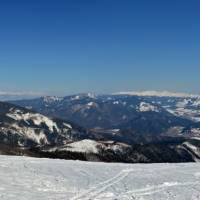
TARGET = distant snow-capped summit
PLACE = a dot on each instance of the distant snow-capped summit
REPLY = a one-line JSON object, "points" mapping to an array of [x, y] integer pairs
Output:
{"points": [[51, 99], [157, 93], [9, 96], [146, 107]]}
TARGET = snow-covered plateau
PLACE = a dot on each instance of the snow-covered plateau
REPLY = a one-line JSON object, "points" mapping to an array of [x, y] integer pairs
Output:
{"points": [[25, 178]]}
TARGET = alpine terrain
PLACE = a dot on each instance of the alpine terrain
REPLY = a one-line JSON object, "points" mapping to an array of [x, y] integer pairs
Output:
{"points": [[124, 127]]}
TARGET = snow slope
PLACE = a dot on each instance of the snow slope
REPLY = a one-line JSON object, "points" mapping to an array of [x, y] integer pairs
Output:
{"points": [[41, 179], [146, 107]]}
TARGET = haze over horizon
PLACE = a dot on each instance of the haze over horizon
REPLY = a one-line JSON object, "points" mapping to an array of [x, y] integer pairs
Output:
{"points": [[67, 47], [9, 96]]}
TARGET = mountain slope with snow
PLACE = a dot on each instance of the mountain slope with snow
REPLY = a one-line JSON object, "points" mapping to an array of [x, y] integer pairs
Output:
{"points": [[22, 127], [144, 127], [138, 114], [24, 132], [41, 179]]}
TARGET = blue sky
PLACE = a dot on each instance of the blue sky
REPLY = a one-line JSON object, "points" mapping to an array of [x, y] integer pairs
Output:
{"points": [[72, 46]]}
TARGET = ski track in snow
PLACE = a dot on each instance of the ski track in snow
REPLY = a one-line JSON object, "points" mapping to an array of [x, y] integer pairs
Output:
{"points": [[158, 188], [23, 178], [101, 187]]}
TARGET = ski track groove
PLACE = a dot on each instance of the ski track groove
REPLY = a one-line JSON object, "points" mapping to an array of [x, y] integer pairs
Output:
{"points": [[155, 189], [96, 190]]}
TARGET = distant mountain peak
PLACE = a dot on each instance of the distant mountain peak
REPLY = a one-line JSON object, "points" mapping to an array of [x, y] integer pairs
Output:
{"points": [[51, 99], [83, 95], [157, 93]]}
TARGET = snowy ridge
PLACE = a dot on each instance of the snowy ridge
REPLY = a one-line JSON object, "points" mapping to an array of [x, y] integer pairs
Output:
{"points": [[24, 128], [38, 119], [51, 99], [84, 146], [91, 146]]}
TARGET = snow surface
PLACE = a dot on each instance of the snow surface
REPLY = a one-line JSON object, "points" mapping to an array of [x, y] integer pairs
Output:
{"points": [[90, 146], [84, 146], [116, 102], [52, 99], [91, 104], [185, 112], [41, 179], [196, 103], [146, 107]]}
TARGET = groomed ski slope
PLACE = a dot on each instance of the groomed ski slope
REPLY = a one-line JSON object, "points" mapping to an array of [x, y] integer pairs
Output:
{"points": [[23, 178]]}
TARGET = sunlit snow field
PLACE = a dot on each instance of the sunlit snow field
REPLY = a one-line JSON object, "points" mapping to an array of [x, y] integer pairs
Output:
{"points": [[23, 178]]}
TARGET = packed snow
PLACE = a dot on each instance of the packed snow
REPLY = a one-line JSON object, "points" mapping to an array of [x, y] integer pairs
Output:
{"points": [[41, 179]]}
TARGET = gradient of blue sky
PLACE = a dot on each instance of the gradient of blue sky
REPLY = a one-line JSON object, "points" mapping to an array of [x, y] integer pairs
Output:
{"points": [[69, 46]]}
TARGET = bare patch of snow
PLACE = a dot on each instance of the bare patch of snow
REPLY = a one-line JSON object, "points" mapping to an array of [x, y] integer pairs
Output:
{"points": [[146, 107], [67, 125], [84, 146], [51, 99], [196, 103], [183, 103], [116, 102]]}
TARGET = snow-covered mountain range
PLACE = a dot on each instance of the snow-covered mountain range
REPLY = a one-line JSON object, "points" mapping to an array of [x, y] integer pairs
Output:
{"points": [[118, 128], [111, 111], [8, 96], [158, 94], [26, 132]]}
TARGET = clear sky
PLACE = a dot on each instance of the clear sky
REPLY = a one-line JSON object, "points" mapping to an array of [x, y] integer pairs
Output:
{"points": [[71, 46]]}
